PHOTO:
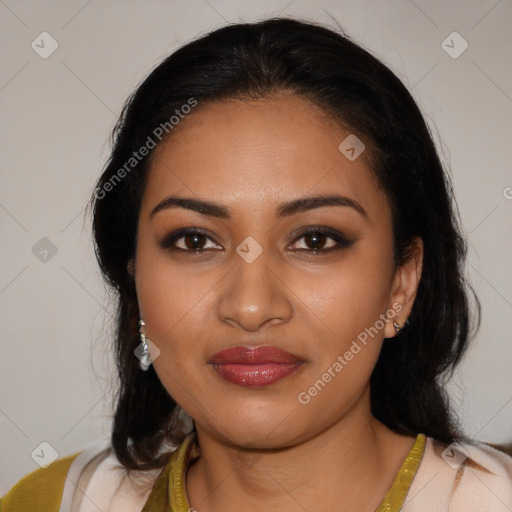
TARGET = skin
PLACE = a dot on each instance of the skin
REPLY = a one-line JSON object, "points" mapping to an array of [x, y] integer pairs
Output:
{"points": [[260, 447]]}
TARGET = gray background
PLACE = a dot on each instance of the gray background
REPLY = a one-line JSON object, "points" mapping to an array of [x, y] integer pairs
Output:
{"points": [[56, 370]]}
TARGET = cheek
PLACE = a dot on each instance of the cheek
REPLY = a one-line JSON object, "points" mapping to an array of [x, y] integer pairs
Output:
{"points": [[164, 299], [351, 295], [174, 309], [348, 337], [170, 294]]}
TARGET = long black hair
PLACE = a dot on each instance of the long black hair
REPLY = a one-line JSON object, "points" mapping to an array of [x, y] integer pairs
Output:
{"points": [[356, 90]]}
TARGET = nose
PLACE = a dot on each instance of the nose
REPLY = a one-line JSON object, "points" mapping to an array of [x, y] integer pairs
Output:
{"points": [[253, 295]]}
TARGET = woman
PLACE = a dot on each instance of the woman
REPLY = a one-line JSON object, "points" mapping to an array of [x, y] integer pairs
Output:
{"points": [[281, 235]]}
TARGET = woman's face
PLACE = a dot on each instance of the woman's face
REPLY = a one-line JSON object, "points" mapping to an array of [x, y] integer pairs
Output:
{"points": [[258, 280]]}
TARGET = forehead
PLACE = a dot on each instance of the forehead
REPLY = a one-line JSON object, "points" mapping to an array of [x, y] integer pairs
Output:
{"points": [[259, 153]]}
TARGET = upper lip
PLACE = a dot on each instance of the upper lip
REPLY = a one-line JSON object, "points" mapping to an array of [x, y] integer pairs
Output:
{"points": [[257, 355]]}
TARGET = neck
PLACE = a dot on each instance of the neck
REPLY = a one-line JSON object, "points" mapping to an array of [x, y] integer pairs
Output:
{"points": [[348, 466]]}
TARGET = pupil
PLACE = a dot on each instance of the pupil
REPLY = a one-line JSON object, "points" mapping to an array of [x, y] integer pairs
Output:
{"points": [[196, 237], [316, 239]]}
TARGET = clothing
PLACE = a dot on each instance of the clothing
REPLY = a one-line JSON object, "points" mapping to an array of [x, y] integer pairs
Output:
{"points": [[434, 477]]}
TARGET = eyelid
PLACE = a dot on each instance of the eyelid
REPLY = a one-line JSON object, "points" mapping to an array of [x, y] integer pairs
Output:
{"points": [[338, 237], [168, 242], [314, 228]]}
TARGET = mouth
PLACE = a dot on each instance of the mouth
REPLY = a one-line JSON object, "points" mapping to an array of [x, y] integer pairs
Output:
{"points": [[255, 367]]}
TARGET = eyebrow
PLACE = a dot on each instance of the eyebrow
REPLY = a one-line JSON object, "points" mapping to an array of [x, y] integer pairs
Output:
{"points": [[287, 209]]}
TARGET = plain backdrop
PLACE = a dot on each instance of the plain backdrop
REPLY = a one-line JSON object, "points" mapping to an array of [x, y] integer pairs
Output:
{"points": [[56, 368]]}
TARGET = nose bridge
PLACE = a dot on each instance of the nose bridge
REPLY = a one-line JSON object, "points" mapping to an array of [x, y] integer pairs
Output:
{"points": [[253, 294]]}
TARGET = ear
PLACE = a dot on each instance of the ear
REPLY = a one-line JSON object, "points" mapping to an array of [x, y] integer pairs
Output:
{"points": [[131, 267], [404, 287]]}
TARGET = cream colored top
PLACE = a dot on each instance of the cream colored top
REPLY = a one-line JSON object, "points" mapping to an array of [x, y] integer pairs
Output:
{"points": [[463, 478], [104, 485]]}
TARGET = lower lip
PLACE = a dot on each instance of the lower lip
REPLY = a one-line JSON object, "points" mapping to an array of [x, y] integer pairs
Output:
{"points": [[255, 375]]}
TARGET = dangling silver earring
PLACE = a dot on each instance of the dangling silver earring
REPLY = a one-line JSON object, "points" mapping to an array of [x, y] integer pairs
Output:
{"points": [[144, 359]]}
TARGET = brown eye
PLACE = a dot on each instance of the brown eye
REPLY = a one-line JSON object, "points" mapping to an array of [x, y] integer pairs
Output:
{"points": [[315, 240], [320, 240], [189, 240], [194, 241]]}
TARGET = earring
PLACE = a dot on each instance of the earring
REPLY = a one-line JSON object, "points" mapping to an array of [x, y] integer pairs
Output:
{"points": [[397, 327], [144, 360]]}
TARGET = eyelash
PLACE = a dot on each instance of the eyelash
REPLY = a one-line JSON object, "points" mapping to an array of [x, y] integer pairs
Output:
{"points": [[341, 241]]}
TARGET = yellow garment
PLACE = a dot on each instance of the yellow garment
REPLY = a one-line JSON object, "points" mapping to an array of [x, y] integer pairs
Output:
{"points": [[41, 490], [169, 490], [395, 497]]}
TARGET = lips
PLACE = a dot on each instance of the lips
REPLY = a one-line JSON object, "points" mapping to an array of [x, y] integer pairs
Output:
{"points": [[255, 367]]}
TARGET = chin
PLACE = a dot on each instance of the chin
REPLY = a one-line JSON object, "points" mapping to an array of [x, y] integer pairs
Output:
{"points": [[249, 429]]}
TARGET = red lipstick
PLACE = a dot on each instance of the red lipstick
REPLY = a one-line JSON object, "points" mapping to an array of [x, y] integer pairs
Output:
{"points": [[255, 367]]}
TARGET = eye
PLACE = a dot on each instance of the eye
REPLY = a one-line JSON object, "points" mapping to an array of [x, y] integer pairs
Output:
{"points": [[198, 241], [316, 240], [189, 240]]}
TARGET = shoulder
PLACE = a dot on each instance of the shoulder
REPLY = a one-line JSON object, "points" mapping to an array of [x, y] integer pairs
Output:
{"points": [[465, 476], [45, 489], [111, 488], [39, 490], [94, 472]]}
